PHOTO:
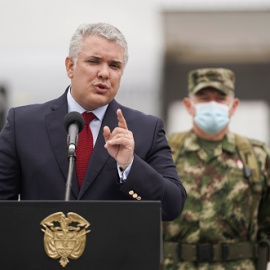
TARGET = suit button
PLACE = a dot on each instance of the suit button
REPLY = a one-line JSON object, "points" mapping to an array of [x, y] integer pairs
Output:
{"points": [[131, 192], [139, 198], [135, 195]]}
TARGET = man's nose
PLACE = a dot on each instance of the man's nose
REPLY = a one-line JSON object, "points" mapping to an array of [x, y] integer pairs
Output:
{"points": [[104, 72]]}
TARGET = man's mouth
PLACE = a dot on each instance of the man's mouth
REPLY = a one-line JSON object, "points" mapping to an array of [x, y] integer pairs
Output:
{"points": [[101, 86]]}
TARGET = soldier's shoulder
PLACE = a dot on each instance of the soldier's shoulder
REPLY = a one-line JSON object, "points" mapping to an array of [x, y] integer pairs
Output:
{"points": [[256, 142], [177, 135], [252, 141], [176, 139], [259, 147]]}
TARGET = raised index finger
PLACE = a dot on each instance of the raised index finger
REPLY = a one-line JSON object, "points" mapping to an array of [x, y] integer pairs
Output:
{"points": [[121, 120]]}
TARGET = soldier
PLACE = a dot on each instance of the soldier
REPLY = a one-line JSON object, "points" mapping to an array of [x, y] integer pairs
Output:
{"points": [[225, 224]]}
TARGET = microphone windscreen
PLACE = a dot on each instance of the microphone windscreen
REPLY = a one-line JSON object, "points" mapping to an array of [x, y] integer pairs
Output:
{"points": [[74, 117]]}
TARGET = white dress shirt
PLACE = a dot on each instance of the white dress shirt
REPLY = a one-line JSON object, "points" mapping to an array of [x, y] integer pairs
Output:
{"points": [[99, 113]]}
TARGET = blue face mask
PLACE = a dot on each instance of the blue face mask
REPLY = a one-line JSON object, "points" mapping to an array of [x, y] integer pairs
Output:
{"points": [[211, 117]]}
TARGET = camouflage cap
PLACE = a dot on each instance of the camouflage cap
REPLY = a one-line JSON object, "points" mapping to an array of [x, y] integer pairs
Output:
{"points": [[218, 78]]}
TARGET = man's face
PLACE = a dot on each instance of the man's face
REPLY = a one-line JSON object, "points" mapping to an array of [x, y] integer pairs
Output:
{"points": [[201, 128], [211, 94], [96, 75]]}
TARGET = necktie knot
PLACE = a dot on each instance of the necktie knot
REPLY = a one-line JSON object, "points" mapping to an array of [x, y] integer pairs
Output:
{"points": [[88, 117]]}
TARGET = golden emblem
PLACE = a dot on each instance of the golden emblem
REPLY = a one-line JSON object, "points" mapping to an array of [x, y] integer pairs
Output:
{"points": [[64, 237]]}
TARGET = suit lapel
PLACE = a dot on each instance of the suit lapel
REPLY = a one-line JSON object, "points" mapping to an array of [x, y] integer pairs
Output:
{"points": [[100, 155], [58, 137]]}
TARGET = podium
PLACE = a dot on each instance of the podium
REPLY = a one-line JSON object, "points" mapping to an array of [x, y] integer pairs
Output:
{"points": [[119, 235]]}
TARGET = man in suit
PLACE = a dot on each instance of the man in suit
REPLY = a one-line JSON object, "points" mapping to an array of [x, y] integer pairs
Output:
{"points": [[131, 159]]}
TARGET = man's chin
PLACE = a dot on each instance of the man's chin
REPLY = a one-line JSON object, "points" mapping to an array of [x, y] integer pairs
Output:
{"points": [[97, 102], [210, 136]]}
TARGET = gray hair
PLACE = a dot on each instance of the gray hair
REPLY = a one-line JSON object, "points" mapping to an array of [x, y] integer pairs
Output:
{"points": [[99, 29]]}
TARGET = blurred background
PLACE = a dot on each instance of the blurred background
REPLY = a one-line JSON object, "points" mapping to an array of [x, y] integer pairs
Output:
{"points": [[167, 39]]}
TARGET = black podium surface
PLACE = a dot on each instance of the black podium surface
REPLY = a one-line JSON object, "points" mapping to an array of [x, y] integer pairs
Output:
{"points": [[124, 235]]}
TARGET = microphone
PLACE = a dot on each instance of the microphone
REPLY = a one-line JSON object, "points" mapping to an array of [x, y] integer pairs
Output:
{"points": [[74, 124]]}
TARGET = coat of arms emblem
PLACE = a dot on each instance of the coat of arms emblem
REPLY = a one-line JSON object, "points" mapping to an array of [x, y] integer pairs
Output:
{"points": [[64, 237]]}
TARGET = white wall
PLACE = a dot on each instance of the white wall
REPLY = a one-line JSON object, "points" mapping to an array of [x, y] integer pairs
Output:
{"points": [[35, 35]]}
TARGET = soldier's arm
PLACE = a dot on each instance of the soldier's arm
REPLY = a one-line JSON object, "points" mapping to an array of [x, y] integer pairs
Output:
{"points": [[264, 210]]}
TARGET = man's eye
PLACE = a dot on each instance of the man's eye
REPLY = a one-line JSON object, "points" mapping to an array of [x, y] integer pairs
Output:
{"points": [[93, 61], [115, 66]]}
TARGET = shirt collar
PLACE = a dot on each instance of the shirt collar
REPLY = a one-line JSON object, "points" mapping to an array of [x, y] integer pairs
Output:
{"points": [[229, 144], [73, 105]]}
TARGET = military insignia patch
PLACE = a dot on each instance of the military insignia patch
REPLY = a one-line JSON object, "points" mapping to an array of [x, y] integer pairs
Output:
{"points": [[239, 164], [64, 237]]}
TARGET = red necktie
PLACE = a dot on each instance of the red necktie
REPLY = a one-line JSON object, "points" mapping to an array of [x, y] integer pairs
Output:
{"points": [[84, 148]]}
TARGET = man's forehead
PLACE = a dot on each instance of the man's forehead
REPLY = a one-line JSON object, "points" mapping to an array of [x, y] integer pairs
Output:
{"points": [[98, 43]]}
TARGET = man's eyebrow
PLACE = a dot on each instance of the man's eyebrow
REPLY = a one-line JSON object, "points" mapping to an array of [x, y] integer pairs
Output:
{"points": [[116, 62], [95, 57]]}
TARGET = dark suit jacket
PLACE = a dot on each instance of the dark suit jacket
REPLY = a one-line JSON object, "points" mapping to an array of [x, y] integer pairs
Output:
{"points": [[34, 163]]}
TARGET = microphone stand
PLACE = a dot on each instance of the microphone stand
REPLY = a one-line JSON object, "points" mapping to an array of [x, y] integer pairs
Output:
{"points": [[71, 158]]}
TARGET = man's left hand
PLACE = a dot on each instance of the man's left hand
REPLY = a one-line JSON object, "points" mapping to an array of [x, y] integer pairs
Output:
{"points": [[120, 142]]}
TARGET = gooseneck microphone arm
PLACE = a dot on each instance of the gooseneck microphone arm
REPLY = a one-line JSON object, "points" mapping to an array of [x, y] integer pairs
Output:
{"points": [[74, 124]]}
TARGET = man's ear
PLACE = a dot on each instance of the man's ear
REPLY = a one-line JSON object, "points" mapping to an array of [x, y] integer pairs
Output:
{"points": [[189, 107], [69, 62], [234, 106]]}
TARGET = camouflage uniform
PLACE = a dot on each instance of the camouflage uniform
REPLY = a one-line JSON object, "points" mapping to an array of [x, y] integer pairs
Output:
{"points": [[219, 202], [217, 208]]}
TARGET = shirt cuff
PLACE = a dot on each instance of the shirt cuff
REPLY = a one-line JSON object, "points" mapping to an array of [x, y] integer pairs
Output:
{"points": [[123, 174]]}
